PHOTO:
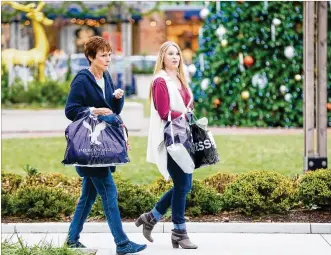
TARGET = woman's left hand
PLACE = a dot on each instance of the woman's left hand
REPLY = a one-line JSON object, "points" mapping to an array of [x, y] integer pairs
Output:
{"points": [[118, 93]]}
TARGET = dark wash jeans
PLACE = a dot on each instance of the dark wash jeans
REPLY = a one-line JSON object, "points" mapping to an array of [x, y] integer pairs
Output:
{"points": [[102, 184], [176, 196]]}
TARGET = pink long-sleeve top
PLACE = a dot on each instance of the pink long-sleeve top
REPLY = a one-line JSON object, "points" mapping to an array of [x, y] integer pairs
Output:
{"points": [[162, 101]]}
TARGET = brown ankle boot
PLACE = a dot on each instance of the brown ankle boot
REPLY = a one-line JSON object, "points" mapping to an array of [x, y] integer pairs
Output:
{"points": [[180, 238], [148, 221]]}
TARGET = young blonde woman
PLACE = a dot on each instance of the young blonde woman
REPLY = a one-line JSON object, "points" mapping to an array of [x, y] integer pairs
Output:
{"points": [[169, 92]]}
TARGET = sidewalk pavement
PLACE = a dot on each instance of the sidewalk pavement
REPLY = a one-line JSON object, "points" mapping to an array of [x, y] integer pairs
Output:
{"points": [[212, 238], [52, 123]]}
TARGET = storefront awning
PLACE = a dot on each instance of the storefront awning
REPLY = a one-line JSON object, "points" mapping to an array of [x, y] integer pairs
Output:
{"points": [[189, 14]]}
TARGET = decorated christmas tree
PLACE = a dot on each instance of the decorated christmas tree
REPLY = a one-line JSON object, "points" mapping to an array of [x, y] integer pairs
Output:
{"points": [[248, 69]]}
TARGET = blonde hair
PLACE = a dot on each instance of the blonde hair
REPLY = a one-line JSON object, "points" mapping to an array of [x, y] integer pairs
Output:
{"points": [[160, 64]]}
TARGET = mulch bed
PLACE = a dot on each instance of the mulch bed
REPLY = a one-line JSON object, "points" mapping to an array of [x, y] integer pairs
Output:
{"points": [[304, 216]]}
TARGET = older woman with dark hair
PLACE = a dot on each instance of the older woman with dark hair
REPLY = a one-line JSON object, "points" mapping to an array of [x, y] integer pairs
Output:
{"points": [[92, 91]]}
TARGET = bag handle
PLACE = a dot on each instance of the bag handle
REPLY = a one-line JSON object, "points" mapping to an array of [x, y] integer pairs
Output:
{"points": [[191, 100], [171, 129], [193, 118]]}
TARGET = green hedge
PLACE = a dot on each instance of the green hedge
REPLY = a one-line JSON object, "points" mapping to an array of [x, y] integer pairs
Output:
{"points": [[49, 93], [201, 199], [256, 192], [220, 181], [314, 189], [260, 192], [6, 203], [42, 202]]}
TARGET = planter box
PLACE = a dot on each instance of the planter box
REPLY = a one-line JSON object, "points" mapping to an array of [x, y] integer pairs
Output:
{"points": [[143, 82]]}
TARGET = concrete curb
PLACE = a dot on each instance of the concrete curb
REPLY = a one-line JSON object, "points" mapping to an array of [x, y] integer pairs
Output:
{"points": [[165, 227]]}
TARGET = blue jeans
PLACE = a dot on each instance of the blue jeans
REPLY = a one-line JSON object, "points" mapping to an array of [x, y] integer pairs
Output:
{"points": [[176, 196], [104, 186]]}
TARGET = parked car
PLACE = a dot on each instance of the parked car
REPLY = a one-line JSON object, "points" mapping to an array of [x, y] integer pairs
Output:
{"points": [[143, 64], [78, 62], [139, 64]]}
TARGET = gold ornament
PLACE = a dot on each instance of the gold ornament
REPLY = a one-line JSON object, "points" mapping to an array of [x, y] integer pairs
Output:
{"points": [[245, 95], [36, 56], [297, 77], [217, 80], [224, 43]]}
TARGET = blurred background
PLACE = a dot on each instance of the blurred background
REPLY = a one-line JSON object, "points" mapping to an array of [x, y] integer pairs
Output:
{"points": [[243, 60], [135, 30]]}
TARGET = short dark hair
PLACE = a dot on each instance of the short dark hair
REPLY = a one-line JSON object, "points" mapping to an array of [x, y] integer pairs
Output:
{"points": [[93, 45]]}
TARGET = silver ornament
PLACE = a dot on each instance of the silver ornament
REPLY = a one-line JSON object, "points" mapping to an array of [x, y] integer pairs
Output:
{"points": [[204, 13], [205, 84], [260, 80], [192, 69], [288, 97], [289, 52], [276, 21], [283, 89], [220, 32]]}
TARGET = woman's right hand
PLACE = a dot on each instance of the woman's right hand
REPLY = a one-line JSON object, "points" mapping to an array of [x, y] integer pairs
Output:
{"points": [[102, 111]]}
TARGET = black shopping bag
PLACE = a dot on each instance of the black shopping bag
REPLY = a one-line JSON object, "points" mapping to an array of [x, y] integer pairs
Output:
{"points": [[205, 152]]}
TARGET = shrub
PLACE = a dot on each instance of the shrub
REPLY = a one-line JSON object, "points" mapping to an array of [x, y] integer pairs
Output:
{"points": [[146, 70], [160, 186], [4, 83], [16, 93], [133, 199], [42, 202], [54, 92], [6, 203], [47, 93], [10, 182], [259, 192], [220, 181], [202, 200], [55, 195], [314, 188], [56, 180], [97, 209], [30, 170]]}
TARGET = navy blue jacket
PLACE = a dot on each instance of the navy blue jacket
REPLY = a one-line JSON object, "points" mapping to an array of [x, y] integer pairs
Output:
{"points": [[85, 93]]}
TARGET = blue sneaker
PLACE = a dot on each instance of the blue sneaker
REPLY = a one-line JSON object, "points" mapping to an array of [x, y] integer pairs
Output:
{"points": [[130, 247], [76, 245]]}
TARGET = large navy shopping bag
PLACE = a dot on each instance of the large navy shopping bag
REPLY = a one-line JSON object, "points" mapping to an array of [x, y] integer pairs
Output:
{"points": [[92, 142]]}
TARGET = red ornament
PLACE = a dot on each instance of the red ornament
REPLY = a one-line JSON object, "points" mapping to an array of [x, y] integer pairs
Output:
{"points": [[248, 61], [217, 102]]}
